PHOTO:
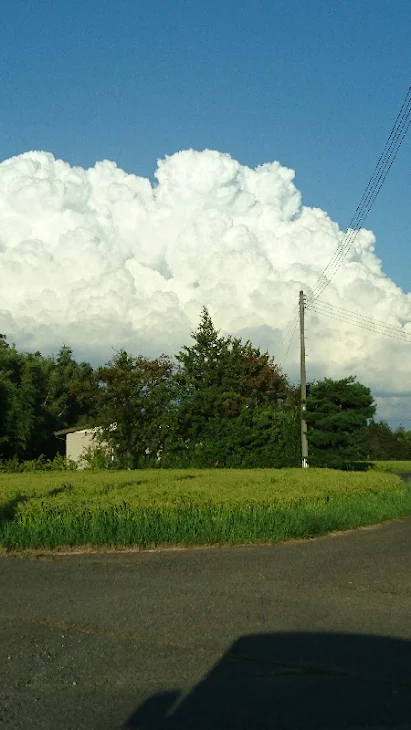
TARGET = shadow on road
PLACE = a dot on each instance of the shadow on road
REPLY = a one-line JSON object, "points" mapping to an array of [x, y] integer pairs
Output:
{"points": [[296, 680], [404, 475]]}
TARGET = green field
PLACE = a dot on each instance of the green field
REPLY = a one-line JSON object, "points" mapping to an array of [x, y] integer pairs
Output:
{"points": [[164, 507], [392, 466]]}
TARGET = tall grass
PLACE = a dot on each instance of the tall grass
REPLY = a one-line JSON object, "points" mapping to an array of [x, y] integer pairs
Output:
{"points": [[392, 466], [146, 508]]}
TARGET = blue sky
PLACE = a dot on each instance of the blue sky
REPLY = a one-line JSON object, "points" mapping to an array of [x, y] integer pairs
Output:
{"points": [[315, 84]]}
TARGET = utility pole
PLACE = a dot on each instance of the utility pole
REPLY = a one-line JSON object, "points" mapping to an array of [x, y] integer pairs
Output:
{"points": [[304, 442]]}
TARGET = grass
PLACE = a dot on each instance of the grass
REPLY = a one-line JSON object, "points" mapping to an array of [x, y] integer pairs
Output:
{"points": [[392, 466], [188, 507]]}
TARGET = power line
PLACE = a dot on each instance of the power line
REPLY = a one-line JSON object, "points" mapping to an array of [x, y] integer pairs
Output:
{"points": [[393, 143], [364, 324], [346, 320], [381, 170], [327, 311], [362, 319], [361, 316], [291, 339], [289, 327], [359, 218]]}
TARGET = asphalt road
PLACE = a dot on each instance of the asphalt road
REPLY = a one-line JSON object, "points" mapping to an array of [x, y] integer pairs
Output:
{"points": [[312, 634]]}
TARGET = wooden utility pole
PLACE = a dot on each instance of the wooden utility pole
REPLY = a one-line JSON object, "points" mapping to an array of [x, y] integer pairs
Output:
{"points": [[304, 442]]}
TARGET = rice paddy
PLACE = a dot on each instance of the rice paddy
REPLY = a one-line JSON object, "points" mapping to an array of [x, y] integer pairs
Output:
{"points": [[145, 509]]}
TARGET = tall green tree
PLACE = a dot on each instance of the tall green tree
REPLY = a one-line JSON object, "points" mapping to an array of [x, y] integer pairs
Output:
{"points": [[382, 441], [403, 439], [16, 418], [338, 412], [222, 381], [222, 374], [73, 394], [21, 392], [39, 395], [136, 397]]}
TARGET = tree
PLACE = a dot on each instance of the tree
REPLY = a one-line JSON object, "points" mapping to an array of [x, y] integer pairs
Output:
{"points": [[258, 437], [403, 442], [337, 416], [226, 374], [136, 396], [382, 441], [73, 393], [39, 395], [15, 403], [222, 382]]}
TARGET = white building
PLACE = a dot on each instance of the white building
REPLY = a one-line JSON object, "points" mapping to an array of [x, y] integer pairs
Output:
{"points": [[80, 440]]}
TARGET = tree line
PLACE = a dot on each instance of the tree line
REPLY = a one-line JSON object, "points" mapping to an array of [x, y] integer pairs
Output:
{"points": [[220, 402]]}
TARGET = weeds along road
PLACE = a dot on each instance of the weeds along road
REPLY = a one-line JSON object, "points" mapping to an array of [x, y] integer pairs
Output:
{"points": [[312, 634]]}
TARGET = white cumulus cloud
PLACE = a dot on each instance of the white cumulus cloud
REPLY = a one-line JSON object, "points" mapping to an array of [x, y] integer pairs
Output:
{"points": [[100, 259]]}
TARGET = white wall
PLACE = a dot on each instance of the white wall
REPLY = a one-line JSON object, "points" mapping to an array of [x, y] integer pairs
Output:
{"points": [[78, 442]]}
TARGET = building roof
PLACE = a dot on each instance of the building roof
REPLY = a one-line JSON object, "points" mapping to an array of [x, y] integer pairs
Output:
{"points": [[77, 429], [74, 429]]}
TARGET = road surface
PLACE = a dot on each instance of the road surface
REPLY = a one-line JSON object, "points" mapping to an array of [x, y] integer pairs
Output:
{"points": [[310, 635]]}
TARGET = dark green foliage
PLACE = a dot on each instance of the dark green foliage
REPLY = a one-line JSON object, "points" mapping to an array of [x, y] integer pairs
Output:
{"points": [[221, 403], [21, 391], [41, 464], [337, 416], [220, 407], [256, 438], [227, 372], [383, 443], [230, 410], [137, 397], [39, 395], [73, 393]]}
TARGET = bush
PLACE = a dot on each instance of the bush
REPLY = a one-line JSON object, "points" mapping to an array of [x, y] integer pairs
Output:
{"points": [[98, 457], [14, 466]]}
